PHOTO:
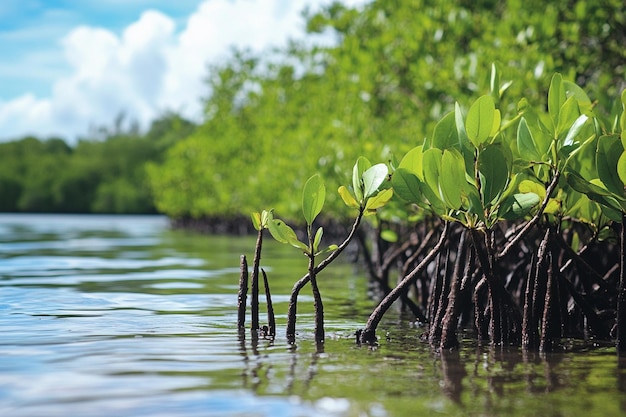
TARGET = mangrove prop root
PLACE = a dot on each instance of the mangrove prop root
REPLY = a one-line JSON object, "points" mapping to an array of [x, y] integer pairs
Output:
{"points": [[545, 343], [242, 296], [271, 320], [621, 294], [368, 334], [450, 319], [254, 304]]}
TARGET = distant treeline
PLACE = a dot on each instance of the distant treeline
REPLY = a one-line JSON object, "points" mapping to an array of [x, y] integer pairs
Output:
{"points": [[398, 67], [102, 174]]}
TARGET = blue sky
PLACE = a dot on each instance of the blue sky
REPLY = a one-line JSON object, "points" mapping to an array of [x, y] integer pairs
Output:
{"points": [[68, 65]]}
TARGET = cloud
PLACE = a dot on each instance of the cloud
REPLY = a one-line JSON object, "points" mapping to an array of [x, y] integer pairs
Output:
{"points": [[148, 68]]}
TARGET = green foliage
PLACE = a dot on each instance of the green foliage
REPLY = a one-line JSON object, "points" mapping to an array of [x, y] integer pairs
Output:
{"points": [[103, 174], [400, 69]]}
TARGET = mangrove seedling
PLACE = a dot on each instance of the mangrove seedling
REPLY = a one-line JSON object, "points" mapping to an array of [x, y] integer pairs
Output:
{"points": [[365, 197]]}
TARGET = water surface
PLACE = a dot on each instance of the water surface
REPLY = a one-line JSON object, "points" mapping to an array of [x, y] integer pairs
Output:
{"points": [[120, 316]]}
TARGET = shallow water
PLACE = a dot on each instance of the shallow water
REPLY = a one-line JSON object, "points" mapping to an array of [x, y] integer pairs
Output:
{"points": [[120, 316]]}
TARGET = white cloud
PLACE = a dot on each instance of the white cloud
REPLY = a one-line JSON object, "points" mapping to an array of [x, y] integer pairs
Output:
{"points": [[150, 67]]}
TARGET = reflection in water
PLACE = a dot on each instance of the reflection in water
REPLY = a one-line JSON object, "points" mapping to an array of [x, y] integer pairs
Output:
{"points": [[453, 371], [119, 316]]}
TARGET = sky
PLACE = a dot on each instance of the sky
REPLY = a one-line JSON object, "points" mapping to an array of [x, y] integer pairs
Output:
{"points": [[67, 66]]}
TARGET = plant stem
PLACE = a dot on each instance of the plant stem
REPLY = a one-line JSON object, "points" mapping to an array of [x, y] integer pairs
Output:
{"points": [[297, 287], [317, 296], [368, 335], [271, 320], [254, 304], [242, 296], [522, 233], [450, 319], [621, 294]]}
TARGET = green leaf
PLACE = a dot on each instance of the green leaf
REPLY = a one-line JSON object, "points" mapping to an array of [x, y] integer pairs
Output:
{"points": [[266, 217], [460, 126], [528, 186], [480, 120], [412, 162], [570, 138], [622, 119], [361, 165], [526, 144], [568, 114], [379, 200], [556, 97], [621, 167], [593, 191], [389, 236], [373, 178], [573, 90], [494, 82], [494, 173], [317, 239], [406, 185], [445, 135], [432, 166], [285, 234], [313, 197], [452, 184], [518, 206], [256, 220], [347, 197], [609, 152]]}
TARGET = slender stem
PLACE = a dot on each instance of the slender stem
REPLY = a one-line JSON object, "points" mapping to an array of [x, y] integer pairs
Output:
{"points": [[450, 319], [297, 287], [254, 304], [317, 296], [271, 320], [368, 335], [621, 294], [522, 233], [242, 296]]}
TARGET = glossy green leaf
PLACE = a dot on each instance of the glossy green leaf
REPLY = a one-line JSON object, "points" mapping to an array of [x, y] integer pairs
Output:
{"points": [[593, 191], [347, 197], [622, 119], [494, 173], [517, 206], [460, 126], [374, 178], [266, 217], [432, 167], [452, 183], [609, 151], [621, 167], [526, 144], [256, 220], [406, 185], [313, 197], [285, 234], [318, 239], [568, 114], [494, 82], [480, 120], [445, 135], [379, 200], [573, 90], [361, 165], [556, 98], [412, 162], [574, 130]]}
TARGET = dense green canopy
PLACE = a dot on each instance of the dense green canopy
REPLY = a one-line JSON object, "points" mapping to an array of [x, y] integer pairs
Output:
{"points": [[397, 68]]}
